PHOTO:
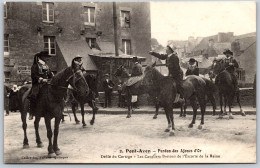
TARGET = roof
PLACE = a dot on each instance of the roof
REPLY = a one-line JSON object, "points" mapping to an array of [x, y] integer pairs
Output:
{"points": [[71, 48]]}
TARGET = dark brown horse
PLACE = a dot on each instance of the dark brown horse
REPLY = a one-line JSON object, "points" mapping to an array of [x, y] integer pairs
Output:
{"points": [[139, 89], [226, 87], [50, 104], [194, 88], [136, 89], [74, 99]]}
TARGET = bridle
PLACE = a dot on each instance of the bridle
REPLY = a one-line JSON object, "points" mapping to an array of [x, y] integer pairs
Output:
{"points": [[76, 80]]}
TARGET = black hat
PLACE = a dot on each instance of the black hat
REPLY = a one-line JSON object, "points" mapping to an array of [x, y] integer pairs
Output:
{"points": [[192, 60], [135, 59], [227, 51], [43, 54]]}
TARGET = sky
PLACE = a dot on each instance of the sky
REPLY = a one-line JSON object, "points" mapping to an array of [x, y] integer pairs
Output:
{"points": [[179, 20]]}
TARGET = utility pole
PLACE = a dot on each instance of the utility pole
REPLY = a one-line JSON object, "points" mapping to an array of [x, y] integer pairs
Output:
{"points": [[115, 28]]}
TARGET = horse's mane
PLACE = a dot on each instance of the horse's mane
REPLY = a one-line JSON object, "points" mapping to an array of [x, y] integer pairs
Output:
{"points": [[157, 73], [59, 76]]}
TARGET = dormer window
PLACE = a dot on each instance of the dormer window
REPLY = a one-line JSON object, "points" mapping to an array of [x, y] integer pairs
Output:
{"points": [[125, 19], [48, 12]]}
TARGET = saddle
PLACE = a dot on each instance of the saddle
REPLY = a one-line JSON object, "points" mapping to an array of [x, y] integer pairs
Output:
{"points": [[133, 80]]}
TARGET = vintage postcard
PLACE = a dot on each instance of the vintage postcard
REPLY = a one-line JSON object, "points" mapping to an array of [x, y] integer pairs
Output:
{"points": [[129, 82]]}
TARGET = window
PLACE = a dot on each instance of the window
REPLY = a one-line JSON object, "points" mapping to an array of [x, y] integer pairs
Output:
{"points": [[48, 12], [5, 10], [125, 19], [7, 76], [6, 44], [126, 46], [89, 16], [92, 43], [49, 44]]}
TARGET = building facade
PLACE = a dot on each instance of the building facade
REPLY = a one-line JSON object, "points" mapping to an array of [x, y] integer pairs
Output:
{"points": [[66, 29]]}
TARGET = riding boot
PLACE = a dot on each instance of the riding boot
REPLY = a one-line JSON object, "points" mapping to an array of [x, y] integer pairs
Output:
{"points": [[180, 90], [32, 107]]}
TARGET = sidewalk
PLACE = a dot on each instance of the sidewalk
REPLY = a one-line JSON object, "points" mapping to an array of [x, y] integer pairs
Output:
{"points": [[249, 110]]}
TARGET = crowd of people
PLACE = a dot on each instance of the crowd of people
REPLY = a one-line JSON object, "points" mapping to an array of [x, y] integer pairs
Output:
{"points": [[41, 74]]}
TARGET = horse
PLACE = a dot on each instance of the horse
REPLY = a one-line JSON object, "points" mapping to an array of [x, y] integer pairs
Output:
{"points": [[136, 89], [194, 88], [227, 90], [50, 104], [76, 99]]}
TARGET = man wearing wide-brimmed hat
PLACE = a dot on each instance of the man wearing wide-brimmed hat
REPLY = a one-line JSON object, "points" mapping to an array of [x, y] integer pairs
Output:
{"points": [[77, 62], [40, 74], [108, 88], [172, 62], [231, 65]]}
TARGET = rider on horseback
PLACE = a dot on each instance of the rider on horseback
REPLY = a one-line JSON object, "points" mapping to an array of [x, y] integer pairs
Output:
{"points": [[172, 62], [40, 74], [231, 65], [137, 68], [193, 68]]}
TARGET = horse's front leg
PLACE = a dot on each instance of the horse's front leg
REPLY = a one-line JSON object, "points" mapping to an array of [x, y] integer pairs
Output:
{"points": [[172, 133], [230, 100], [25, 140], [238, 101], [202, 103], [194, 106], [168, 129], [225, 104], [73, 106], [36, 127], [56, 133], [51, 152], [82, 114], [156, 108], [221, 105], [92, 104], [213, 102]]}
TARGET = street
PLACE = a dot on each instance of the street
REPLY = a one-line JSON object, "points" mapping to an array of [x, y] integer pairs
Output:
{"points": [[140, 139]]}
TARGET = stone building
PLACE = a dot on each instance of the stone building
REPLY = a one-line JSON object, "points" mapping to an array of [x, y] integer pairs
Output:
{"points": [[66, 29]]}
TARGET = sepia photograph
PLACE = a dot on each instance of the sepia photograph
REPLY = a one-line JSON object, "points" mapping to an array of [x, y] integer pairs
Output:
{"points": [[129, 82]]}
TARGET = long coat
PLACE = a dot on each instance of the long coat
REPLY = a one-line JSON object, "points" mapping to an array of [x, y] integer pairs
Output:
{"points": [[37, 74], [231, 64], [172, 62], [137, 70], [192, 72]]}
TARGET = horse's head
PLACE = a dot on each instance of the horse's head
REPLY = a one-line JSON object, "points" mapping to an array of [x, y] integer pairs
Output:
{"points": [[121, 72], [218, 66], [148, 79], [78, 82]]}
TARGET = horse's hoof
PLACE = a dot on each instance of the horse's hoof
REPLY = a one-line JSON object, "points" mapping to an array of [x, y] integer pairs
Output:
{"points": [[154, 117], [200, 127], [77, 122], [91, 122], [128, 116], [26, 146], [58, 152], [231, 117], [167, 130], [84, 125], [172, 133], [51, 155], [190, 125], [184, 115], [180, 116], [220, 117], [39, 145], [242, 112]]}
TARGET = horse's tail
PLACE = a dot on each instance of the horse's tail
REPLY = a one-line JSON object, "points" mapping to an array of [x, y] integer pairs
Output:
{"points": [[210, 86]]}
